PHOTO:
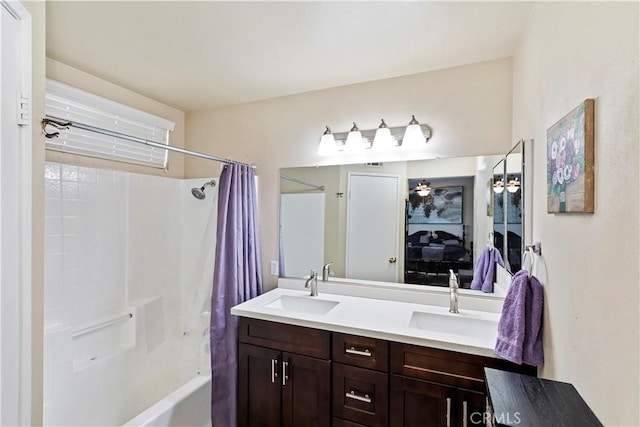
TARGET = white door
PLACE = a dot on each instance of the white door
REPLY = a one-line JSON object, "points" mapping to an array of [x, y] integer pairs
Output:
{"points": [[372, 227], [302, 228], [15, 214]]}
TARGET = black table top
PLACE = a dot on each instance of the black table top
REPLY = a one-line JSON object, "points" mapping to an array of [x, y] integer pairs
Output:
{"points": [[521, 400]]}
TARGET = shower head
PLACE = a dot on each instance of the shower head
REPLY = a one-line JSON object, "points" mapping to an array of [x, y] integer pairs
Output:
{"points": [[198, 192]]}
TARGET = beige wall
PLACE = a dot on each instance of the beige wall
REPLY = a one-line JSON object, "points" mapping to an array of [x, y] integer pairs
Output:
{"points": [[569, 52], [468, 107], [87, 82]]}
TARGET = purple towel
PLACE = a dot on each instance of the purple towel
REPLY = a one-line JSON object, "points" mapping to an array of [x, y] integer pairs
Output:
{"points": [[520, 327], [485, 270]]}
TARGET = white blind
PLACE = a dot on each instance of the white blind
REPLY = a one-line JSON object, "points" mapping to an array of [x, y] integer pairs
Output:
{"points": [[71, 104]]}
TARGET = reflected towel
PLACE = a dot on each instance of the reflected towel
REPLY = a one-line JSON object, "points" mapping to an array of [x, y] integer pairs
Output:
{"points": [[485, 270], [520, 327]]}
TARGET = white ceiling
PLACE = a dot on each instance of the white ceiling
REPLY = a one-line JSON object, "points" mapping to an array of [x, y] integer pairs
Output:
{"points": [[200, 55]]}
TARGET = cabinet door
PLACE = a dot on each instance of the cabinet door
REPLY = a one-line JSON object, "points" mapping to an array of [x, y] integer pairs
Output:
{"points": [[306, 391], [259, 399], [417, 403], [472, 407]]}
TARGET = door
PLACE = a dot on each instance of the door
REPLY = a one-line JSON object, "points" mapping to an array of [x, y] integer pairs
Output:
{"points": [[306, 394], [472, 407], [372, 227], [259, 384], [16, 375], [302, 231], [417, 403]]}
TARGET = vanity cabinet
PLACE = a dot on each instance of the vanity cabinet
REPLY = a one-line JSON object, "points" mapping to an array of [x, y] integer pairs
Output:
{"points": [[297, 376], [439, 387], [284, 375]]}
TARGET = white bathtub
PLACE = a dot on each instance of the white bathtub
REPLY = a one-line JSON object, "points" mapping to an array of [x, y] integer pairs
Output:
{"points": [[188, 406]]}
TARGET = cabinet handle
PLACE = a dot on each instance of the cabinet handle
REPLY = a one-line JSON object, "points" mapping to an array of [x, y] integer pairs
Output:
{"points": [[448, 412], [285, 368], [364, 352], [274, 370], [352, 395], [464, 414]]}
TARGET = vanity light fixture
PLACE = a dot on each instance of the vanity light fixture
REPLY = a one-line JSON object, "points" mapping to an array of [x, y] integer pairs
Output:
{"points": [[383, 138], [423, 189], [498, 186], [513, 185]]}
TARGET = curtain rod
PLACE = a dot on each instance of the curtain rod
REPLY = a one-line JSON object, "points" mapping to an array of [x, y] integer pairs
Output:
{"points": [[65, 124], [288, 178]]}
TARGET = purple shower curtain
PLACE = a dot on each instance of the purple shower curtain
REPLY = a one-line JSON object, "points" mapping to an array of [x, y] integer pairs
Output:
{"points": [[237, 278]]}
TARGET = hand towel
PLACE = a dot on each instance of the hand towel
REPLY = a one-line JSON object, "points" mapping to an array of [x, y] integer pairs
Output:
{"points": [[485, 270], [519, 330]]}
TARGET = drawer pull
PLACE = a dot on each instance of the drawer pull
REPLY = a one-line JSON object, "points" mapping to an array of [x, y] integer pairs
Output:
{"points": [[448, 412], [465, 414], [352, 395], [365, 352], [274, 372], [285, 370]]}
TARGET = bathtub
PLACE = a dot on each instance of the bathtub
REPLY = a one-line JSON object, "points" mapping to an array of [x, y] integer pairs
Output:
{"points": [[188, 406]]}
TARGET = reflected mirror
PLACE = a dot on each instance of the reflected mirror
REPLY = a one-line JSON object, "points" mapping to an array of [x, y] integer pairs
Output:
{"points": [[498, 207], [508, 217], [404, 222]]}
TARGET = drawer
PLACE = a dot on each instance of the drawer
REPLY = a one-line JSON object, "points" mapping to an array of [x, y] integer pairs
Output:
{"points": [[361, 351], [339, 422], [290, 338], [360, 395], [447, 367]]}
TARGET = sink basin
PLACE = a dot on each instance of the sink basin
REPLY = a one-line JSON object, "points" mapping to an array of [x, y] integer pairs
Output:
{"points": [[309, 305], [455, 324]]}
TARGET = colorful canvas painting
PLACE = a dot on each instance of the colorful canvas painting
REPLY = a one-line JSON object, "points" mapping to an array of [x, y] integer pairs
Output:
{"points": [[443, 205], [570, 161]]}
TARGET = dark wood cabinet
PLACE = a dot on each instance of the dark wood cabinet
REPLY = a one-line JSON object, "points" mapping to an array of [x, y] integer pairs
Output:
{"points": [[420, 403], [260, 397], [283, 388], [433, 387], [286, 378], [306, 391]]}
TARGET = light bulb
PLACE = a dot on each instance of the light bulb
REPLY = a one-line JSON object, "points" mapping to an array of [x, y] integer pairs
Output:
{"points": [[383, 140], [327, 143], [498, 187], [413, 136], [354, 140], [513, 186]]}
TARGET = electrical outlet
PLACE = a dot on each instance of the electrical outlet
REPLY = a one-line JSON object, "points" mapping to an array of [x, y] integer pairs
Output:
{"points": [[274, 268]]}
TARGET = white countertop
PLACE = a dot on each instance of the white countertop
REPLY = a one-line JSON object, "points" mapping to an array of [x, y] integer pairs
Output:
{"points": [[384, 319]]}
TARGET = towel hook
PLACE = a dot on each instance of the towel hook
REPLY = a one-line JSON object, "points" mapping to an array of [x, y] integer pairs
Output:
{"points": [[536, 248]]}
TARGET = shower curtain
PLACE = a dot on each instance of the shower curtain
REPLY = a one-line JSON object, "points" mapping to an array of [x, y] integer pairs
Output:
{"points": [[237, 278]]}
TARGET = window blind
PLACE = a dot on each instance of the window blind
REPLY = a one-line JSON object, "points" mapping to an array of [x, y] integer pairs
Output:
{"points": [[71, 104]]}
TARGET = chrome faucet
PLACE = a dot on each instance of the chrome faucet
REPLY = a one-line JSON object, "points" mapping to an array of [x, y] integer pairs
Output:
{"points": [[453, 292], [313, 281], [325, 271]]}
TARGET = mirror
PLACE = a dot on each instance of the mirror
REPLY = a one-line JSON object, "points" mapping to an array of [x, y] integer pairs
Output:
{"points": [[375, 222], [498, 207], [508, 207]]}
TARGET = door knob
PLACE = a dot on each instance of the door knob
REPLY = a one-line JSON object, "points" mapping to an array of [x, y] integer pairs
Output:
{"points": [[392, 260]]}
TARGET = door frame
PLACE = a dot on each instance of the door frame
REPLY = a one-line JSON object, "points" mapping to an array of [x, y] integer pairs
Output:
{"points": [[19, 317], [397, 218]]}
